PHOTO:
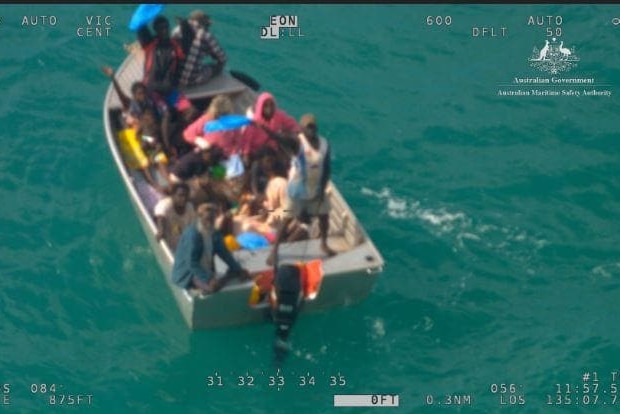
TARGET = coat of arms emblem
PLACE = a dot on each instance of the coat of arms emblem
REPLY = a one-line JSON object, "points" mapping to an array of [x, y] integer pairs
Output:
{"points": [[553, 57]]}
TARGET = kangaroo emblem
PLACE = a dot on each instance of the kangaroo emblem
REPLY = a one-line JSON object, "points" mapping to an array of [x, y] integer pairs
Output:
{"points": [[543, 51]]}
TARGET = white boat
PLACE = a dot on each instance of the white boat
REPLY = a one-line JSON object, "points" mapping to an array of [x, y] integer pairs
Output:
{"points": [[349, 276]]}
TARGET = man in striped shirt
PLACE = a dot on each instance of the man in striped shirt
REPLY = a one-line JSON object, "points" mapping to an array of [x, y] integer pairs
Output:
{"points": [[197, 43]]}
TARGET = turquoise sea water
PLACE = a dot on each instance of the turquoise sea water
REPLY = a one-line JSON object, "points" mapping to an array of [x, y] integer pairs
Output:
{"points": [[498, 217]]}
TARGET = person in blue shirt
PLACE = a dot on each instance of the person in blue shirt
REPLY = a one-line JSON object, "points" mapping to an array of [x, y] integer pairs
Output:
{"points": [[194, 266]]}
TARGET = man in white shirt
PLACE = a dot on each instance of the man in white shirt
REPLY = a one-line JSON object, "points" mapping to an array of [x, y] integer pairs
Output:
{"points": [[308, 177]]}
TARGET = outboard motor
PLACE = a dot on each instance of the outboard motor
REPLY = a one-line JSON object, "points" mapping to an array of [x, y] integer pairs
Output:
{"points": [[287, 298]]}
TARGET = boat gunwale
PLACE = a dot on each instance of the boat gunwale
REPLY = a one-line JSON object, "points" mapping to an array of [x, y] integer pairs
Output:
{"points": [[128, 180]]}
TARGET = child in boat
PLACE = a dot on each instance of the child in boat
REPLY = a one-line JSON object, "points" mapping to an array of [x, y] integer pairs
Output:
{"points": [[134, 106], [129, 138], [139, 104]]}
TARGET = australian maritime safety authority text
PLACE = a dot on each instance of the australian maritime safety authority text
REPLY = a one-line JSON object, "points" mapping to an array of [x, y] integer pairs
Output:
{"points": [[589, 87]]}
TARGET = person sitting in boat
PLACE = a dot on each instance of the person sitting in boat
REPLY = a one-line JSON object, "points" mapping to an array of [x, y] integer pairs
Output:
{"points": [[267, 117], [308, 177], [163, 57], [231, 141], [150, 131], [173, 214], [196, 163], [198, 43], [140, 102], [131, 139], [259, 178], [194, 266], [219, 105], [251, 201], [134, 106], [139, 105], [201, 169], [271, 199]]}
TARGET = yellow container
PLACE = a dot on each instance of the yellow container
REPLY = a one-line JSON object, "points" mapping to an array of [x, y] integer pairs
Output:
{"points": [[254, 295], [231, 243]]}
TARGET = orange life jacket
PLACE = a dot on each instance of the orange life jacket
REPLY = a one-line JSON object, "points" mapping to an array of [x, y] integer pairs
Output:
{"points": [[311, 274]]}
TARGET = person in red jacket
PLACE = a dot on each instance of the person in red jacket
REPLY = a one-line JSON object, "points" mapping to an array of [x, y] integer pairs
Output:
{"points": [[163, 58], [266, 115], [194, 134]]}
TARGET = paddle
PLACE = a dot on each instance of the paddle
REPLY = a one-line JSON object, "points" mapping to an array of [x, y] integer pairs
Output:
{"points": [[227, 122], [144, 14]]}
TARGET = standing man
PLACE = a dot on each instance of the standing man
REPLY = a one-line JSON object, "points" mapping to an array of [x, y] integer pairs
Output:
{"points": [[308, 177], [194, 266], [198, 42]]}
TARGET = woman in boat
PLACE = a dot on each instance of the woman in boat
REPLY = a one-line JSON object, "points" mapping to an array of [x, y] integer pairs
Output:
{"points": [[231, 141], [194, 133]]}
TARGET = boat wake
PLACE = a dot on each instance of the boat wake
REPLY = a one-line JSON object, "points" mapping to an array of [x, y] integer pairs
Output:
{"points": [[441, 220], [463, 232], [607, 271], [378, 328]]}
